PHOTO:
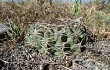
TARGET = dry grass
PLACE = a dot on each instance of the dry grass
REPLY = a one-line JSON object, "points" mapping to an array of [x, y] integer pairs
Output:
{"points": [[95, 19], [28, 13], [24, 14]]}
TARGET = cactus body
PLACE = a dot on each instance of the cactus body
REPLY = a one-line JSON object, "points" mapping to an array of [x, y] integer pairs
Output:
{"points": [[57, 39]]}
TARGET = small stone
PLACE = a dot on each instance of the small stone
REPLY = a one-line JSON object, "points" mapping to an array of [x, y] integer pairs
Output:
{"points": [[3, 31], [4, 27]]}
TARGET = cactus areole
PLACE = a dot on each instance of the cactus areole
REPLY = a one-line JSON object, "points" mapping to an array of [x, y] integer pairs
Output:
{"points": [[57, 39]]}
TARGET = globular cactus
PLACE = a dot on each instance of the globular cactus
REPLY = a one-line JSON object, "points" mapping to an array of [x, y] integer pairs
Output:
{"points": [[57, 39]]}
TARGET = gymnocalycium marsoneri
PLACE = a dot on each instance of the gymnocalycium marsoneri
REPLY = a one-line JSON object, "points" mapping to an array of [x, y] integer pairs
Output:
{"points": [[58, 39]]}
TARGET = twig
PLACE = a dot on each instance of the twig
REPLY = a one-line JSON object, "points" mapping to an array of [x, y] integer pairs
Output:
{"points": [[66, 67], [28, 62]]}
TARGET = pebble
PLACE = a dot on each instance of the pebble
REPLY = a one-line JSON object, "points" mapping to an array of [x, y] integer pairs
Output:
{"points": [[4, 27]]}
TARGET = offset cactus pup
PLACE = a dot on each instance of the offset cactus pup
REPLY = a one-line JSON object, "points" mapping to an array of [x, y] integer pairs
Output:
{"points": [[57, 39]]}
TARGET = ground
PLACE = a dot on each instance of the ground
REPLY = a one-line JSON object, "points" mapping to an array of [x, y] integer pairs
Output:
{"points": [[15, 55]]}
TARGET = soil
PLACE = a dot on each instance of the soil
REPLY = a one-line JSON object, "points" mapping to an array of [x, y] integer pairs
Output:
{"points": [[96, 56]]}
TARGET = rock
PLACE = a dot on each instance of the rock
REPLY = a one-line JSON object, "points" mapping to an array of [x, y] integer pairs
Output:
{"points": [[3, 30]]}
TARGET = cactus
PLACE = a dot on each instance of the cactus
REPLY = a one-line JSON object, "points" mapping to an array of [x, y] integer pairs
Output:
{"points": [[56, 39]]}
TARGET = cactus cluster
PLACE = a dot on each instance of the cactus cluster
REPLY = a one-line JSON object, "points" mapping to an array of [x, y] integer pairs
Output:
{"points": [[57, 39]]}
